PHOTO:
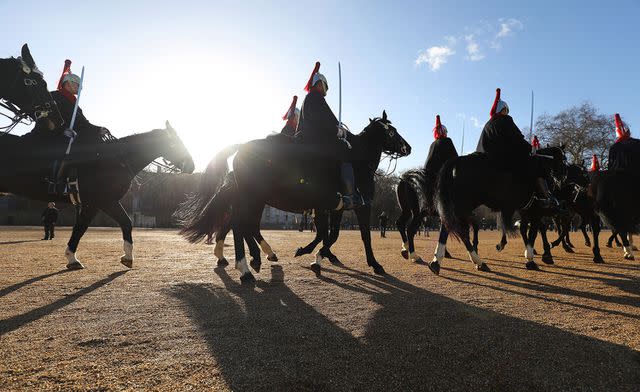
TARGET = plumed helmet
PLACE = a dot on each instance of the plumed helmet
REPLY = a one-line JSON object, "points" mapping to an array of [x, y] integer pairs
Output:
{"points": [[535, 143], [71, 78], [498, 105], [595, 165], [315, 77], [622, 130], [439, 131], [293, 110]]}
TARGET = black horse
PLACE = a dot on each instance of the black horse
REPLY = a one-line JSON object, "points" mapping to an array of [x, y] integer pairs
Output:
{"points": [[290, 177], [468, 181], [616, 194], [23, 91], [26, 161], [574, 193], [415, 193]]}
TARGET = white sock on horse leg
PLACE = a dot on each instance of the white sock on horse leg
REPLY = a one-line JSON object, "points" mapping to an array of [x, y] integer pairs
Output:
{"points": [[318, 258], [266, 248], [242, 266], [218, 250], [475, 258], [405, 246], [438, 255], [128, 250], [528, 253]]}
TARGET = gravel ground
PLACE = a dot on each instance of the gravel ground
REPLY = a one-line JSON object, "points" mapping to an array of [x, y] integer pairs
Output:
{"points": [[176, 322]]}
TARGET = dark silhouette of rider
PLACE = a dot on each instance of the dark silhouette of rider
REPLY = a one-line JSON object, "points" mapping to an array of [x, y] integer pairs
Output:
{"points": [[319, 126], [506, 146], [440, 151], [624, 154], [291, 117]]}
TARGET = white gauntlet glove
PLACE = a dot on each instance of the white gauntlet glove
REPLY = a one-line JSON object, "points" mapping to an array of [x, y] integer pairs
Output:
{"points": [[342, 130], [70, 133]]}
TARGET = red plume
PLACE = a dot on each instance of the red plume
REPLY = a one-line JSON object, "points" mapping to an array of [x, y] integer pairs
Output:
{"points": [[535, 143], [437, 130], [292, 108], [595, 165], [307, 88], [66, 70], [620, 129], [495, 103]]}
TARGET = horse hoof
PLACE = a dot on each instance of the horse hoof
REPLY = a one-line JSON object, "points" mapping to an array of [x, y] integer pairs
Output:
{"points": [[535, 252], [587, 244], [316, 269], [223, 262], [569, 250], [247, 278], [405, 254], [419, 261], [547, 258], [334, 260], [598, 259], [532, 266], [299, 252], [75, 266], [255, 264], [378, 270], [499, 247], [609, 246], [629, 257], [447, 255], [127, 262], [483, 267], [434, 266], [272, 257]]}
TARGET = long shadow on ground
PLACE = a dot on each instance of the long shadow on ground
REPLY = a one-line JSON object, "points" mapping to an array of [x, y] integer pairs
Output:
{"points": [[18, 321], [266, 338]]}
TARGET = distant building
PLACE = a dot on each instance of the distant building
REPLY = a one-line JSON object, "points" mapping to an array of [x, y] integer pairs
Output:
{"points": [[273, 218]]}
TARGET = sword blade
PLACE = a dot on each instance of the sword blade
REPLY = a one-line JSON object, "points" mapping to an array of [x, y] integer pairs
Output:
{"points": [[339, 93]]}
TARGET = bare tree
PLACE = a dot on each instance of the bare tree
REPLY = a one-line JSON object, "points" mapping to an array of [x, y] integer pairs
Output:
{"points": [[582, 129]]}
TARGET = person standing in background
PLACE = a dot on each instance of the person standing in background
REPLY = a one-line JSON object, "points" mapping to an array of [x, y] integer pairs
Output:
{"points": [[49, 219]]}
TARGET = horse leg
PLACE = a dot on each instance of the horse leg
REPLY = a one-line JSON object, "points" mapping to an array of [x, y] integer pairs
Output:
{"points": [[440, 250], [241, 230], [413, 228], [318, 217], [616, 238], [264, 245], [404, 217], [84, 216], [560, 227], [117, 212], [475, 227], [612, 237], [503, 242], [363, 214], [583, 228], [218, 250], [529, 242], [335, 218], [322, 232], [633, 247], [547, 257], [595, 228], [628, 249], [473, 255]]}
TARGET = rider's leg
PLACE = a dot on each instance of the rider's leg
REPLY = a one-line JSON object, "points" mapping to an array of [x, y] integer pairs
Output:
{"points": [[351, 198]]}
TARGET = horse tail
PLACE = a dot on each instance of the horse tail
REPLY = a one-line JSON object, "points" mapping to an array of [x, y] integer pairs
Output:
{"points": [[416, 179], [206, 211], [444, 199]]}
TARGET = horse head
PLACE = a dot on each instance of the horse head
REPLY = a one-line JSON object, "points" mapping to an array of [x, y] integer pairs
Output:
{"points": [[27, 89], [176, 152], [393, 144], [555, 160]]}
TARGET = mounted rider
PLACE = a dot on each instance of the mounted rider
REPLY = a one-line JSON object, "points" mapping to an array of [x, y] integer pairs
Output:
{"points": [[84, 133], [291, 117], [441, 150], [624, 154], [319, 126], [504, 143]]}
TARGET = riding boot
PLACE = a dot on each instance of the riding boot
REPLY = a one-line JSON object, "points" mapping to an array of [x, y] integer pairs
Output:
{"points": [[351, 199], [548, 201]]}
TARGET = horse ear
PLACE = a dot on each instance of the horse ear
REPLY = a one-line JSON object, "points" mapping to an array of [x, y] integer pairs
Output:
{"points": [[370, 120], [384, 115], [168, 126], [26, 56]]}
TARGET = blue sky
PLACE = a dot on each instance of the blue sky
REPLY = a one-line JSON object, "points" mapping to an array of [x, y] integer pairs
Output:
{"points": [[224, 72]]}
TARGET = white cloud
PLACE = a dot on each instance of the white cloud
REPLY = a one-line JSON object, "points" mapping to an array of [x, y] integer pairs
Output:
{"points": [[475, 122], [480, 36], [507, 26], [473, 49], [435, 56]]}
